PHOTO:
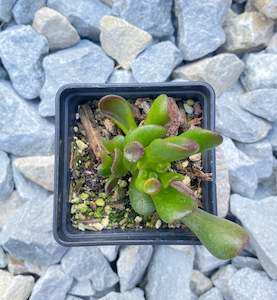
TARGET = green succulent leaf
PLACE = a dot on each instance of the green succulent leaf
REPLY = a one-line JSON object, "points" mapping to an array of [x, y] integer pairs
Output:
{"points": [[152, 186], [206, 139], [133, 151], [119, 111], [140, 202], [106, 163], [168, 177], [116, 142], [158, 113], [118, 169], [223, 238], [172, 205]]}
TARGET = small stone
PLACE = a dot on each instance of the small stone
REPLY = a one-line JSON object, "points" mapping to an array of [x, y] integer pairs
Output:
{"points": [[157, 62], [89, 263], [260, 71], [261, 154], [6, 177], [82, 288], [199, 283], [188, 109], [56, 28], [100, 202], [267, 7], [121, 76], [272, 45], [135, 294], [261, 103], [200, 33], [24, 10], [28, 235], [21, 52], [246, 262], [3, 259], [85, 16], [110, 252], [54, 285], [211, 70], [248, 284], [17, 116], [131, 265], [85, 62], [222, 278], [158, 224], [6, 10], [122, 41], [169, 273], [195, 157], [213, 294], [248, 31], [206, 262], [243, 177], [259, 219]]}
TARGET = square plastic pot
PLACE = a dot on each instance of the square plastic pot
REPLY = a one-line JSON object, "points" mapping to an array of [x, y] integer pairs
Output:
{"points": [[68, 100]]}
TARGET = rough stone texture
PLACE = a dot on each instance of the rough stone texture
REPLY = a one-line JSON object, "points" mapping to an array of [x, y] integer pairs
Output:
{"points": [[3, 259], [6, 177], [221, 280], [248, 31], [5, 280], [237, 123], [206, 262], [272, 137], [199, 26], [242, 172], [131, 265], [169, 273], [272, 45], [259, 219], [246, 262], [248, 284], [3, 73], [121, 76], [85, 16], [28, 235], [56, 28], [22, 130], [267, 7], [213, 294], [221, 71], [199, 283], [135, 294], [6, 10], [156, 63], [89, 263], [55, 284], [141, 14], [110, 252], [21, 52], [24, 10], [266, 108], [223, 187], [82, 288], [260, 70], [39, 169], [18, 267], [122, 41], [261, 154], [85, 62]]}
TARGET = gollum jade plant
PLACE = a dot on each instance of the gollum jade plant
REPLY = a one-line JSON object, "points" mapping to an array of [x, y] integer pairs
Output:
{"points": [[146, 153]]}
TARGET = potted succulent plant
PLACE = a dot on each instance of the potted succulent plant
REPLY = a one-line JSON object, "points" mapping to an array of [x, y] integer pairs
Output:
{"points": [[132, 168]]}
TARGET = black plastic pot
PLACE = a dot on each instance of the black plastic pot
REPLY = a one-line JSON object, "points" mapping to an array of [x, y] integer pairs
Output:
{"points": [[67, 101]]}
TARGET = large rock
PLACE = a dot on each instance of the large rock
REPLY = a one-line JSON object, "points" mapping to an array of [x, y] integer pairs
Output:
{"points": [[248, 284], [53, 285], [21, 52], [247, 262], [242, 172], [6, 177], [131, 265], [84, 63], [260, 71], [237, 123], [6, 9], [272, 137], [259, 219], [56, 28], [140, 14], [247, 32], [85, 16], [89, 263], [272, 45], [82, 288], [28, 235], [121, 76], [135, 294], [213, 294], [223, 188], [157, 62], [24, 10], [169, 273], [110, 252], [266, 108], [261, 154], [199, 283], [23, 131], [267, 7], [39, 169], [199, 26], [122, 40], [221, 71]]}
